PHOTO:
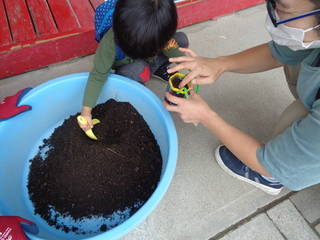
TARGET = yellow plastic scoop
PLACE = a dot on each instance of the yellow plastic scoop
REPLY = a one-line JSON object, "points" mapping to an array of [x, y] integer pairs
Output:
{"points": [[89, 132]]}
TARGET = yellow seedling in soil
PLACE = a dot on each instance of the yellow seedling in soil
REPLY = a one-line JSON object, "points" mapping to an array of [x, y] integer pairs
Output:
{"points": [[89, 132]]}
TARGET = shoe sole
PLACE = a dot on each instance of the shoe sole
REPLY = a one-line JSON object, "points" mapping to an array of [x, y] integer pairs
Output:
{"points": [[269, 190], [160, 78]]}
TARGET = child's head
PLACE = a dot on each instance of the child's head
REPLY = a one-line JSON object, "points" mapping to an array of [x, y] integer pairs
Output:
{"points": [[142, 28]]}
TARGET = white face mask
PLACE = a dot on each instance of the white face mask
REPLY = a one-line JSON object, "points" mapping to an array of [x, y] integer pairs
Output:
{"points": [[290, 37]]}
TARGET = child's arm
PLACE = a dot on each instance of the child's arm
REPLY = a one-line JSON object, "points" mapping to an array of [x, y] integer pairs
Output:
{"points": [[103, 61]]}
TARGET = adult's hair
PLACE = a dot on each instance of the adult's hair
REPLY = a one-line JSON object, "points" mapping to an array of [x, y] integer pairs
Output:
{"points": [[142, 28]]}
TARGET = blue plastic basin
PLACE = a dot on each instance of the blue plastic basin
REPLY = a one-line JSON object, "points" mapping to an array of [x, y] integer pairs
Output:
{"points": [[54, 101]]}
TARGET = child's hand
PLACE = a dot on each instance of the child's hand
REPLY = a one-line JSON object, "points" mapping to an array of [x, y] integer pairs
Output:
{"points": [[86, 113], [89, 125]]}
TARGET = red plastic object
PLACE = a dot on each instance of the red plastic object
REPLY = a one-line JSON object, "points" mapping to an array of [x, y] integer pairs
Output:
{"points": [[11, 227], [9, 105]]}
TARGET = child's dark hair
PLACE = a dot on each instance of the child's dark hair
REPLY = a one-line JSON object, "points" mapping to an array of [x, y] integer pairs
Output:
{"points": [[142, 28]]}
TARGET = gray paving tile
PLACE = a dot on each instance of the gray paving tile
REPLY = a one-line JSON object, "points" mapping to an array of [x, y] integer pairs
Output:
{"points": [[307, 201], [290, 222], [260, 227], [317, 228]]}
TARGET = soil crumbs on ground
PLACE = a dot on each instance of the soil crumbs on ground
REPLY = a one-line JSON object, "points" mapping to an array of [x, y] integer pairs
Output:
{"points": [[79, 177]]}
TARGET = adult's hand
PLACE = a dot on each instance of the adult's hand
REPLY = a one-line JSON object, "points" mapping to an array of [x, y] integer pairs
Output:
{"points": [[191, 110], [202, 70]]}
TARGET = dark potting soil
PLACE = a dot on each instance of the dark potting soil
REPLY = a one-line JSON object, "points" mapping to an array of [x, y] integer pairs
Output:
{"points": [[175, 82], [79, 177]]}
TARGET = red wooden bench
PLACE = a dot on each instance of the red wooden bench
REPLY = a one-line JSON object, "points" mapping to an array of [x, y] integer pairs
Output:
{"points": [[38, 33]]}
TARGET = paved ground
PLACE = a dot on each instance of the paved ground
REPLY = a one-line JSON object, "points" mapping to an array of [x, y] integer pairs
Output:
{"points": [[203, 202]]}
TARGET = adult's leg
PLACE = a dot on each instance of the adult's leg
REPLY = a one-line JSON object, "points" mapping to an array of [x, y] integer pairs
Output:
{"points": [[292, 73], [292, 113], [296, 109]]}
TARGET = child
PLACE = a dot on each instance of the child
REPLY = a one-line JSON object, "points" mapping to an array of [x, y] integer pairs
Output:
{"points": [[144, 32]]}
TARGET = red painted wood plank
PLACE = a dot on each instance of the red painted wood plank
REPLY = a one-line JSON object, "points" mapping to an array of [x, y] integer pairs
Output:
{"points": [[179, 3], [46, 52], [5, 34], [64, 15], [194, 11], [19, 20], [42, 19], [84, 11], [96, 3]]}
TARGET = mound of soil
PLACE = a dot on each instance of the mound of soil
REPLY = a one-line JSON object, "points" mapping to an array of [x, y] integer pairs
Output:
{"points": [[79, 177]]}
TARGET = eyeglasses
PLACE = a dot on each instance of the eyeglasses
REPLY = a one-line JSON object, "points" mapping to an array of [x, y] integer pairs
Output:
{"points": [[271, 7]]}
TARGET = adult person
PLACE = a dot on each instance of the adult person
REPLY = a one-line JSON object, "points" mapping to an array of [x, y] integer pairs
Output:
{"points": [[291, 157]]}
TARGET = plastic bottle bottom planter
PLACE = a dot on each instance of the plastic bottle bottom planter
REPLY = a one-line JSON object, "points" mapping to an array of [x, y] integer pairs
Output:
{"points": [[54, 101], [173, 87]]}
